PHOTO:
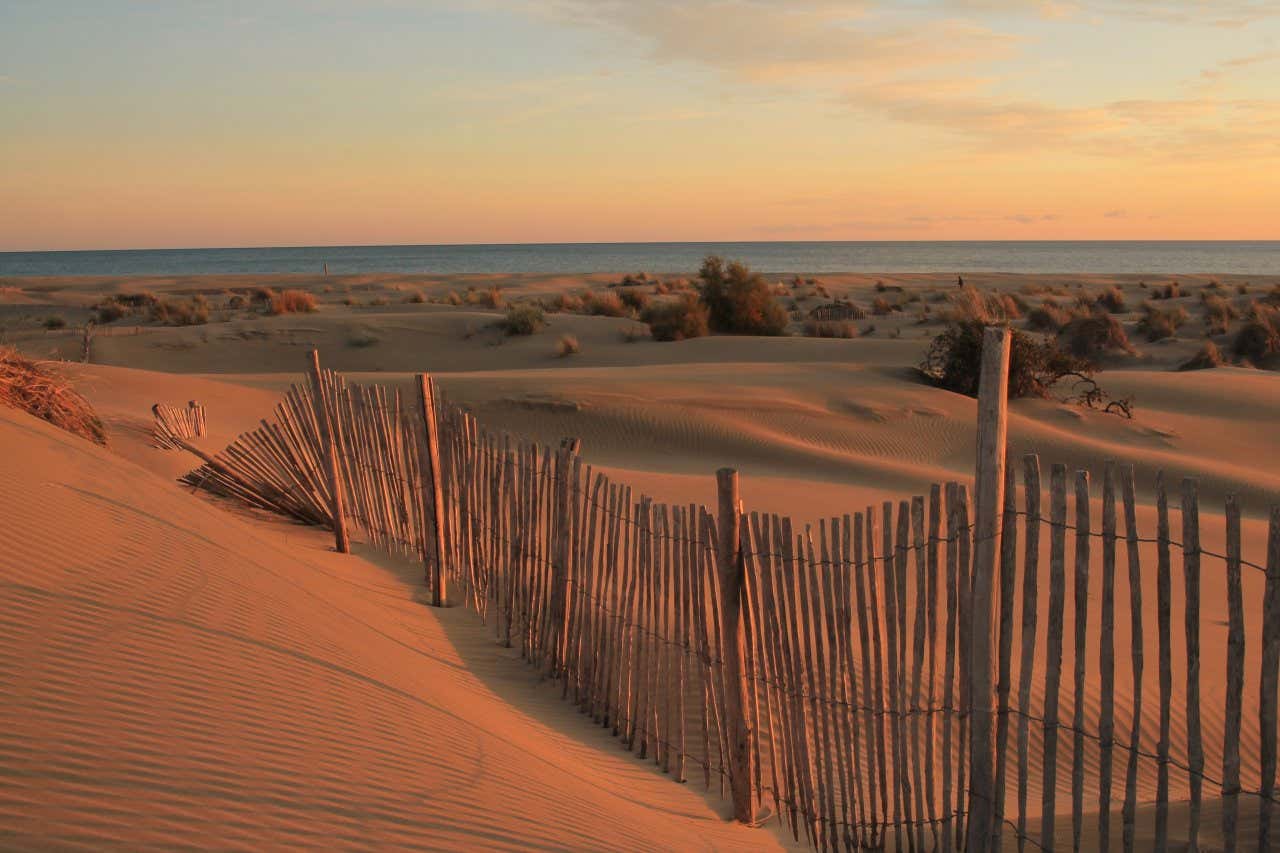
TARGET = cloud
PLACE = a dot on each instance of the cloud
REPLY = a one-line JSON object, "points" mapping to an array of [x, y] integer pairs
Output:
{"points": [[1218, 13], [782, 39]]}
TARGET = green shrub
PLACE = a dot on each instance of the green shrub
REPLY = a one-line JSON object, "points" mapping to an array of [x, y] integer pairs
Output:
{"points": [[523, 318], [677, 319], [954, 361], [739, 302]]}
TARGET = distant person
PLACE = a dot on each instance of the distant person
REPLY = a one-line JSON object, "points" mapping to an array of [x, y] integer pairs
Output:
{"points": [[326, 268], [959, 281]]}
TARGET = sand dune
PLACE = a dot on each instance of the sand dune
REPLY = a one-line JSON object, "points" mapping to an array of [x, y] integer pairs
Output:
{"points": [[176, 676], [314, 700]]}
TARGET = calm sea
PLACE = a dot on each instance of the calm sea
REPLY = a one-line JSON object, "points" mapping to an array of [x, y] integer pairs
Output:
{"points": [[1247, 258]]}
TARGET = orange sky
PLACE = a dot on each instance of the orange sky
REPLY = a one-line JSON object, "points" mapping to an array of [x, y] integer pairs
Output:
{"points": [[292, 122]]}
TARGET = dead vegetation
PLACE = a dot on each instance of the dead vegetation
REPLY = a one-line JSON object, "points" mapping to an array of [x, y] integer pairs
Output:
{"points": [[39, 389]]}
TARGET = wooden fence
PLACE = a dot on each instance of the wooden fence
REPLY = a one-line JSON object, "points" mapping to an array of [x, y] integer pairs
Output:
{"points": [[172, 423], [824, 673]]}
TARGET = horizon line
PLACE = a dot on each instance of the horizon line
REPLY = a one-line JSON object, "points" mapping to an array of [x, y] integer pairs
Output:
{"points": [[300, 246]]}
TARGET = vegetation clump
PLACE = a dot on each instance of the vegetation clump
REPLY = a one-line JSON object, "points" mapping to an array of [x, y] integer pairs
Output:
{"points": [[830, 328], [1112, 300], [678, 319], [954, 361], [972, 305], [523, 318], [738, 301], [567, 345], [1095, 336], [1208, 356], [54, 323], [1218, 314], [1258, 341], [1049, 316], [33, 388], [175, 313], [291, 302], [1157, 324]]}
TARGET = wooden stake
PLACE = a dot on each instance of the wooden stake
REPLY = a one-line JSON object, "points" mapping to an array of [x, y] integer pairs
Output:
{"points": [[731, 570], [1235, 680], [993, 428], [436, 575]]}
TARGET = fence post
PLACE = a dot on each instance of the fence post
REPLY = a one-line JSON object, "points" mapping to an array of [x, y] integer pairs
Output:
{"points": [[559, 604], [337, 510], [731, 569], [434, 569], [993, 426]]}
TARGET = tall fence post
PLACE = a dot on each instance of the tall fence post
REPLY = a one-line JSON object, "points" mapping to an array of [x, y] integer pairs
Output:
{"points": [[731, 568], [435, 568], [993, 428], [337, 509]]}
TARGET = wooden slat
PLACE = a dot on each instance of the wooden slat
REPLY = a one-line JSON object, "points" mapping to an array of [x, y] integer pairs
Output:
{"points": [[1164, 611], [1235, 681], [1269, 725], [1026, 665], [1191, 576], [1107, 656], [1053, 650], [1136, 656]]}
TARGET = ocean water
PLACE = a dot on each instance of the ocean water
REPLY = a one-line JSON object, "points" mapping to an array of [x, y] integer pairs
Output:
{"points": [[1172, 257]]}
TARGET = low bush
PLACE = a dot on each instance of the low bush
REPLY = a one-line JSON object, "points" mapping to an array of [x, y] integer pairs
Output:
{"points": [[635, 298], [1093, 337], [54, 323], [110, 311], [604, 304], [1049, 316], [523, 318], [1218, 314], [416, 298], [491, 298], [1170, 291], [263, 295], [1157, 324], [176, 313], [1208, 356], [237, 302], [292, 302], [454, 298], [677, 319], [954, 361], [1112, 300], [881, 306], [972, 305], [830, 328], [568, 303], [1258, 341], [567, 345], [738, 301]]}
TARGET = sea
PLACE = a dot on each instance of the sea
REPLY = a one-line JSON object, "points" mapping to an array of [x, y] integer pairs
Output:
{"points": [[1260, 258]]}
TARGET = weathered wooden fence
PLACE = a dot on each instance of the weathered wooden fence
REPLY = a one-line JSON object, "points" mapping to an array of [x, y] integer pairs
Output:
{"points": [[825, 672], [172, 422]]}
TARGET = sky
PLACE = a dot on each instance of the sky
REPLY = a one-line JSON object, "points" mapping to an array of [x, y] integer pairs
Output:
{"points": [[188, 123]]}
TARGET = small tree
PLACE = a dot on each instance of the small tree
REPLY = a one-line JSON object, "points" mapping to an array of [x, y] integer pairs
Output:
{"points": [[739, 302]]}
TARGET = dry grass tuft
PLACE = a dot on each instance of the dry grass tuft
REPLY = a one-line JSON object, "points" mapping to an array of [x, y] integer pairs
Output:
{"points": [[1218, 314], [830, 328], [1092, 337], [970, 305], [567, 345], [292, 302], [1158, 324], [1207, 357], [38, 390], [1112, 300]]}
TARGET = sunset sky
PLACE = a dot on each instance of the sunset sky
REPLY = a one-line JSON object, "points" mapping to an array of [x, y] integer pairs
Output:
{"points": [[304, 122]]}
